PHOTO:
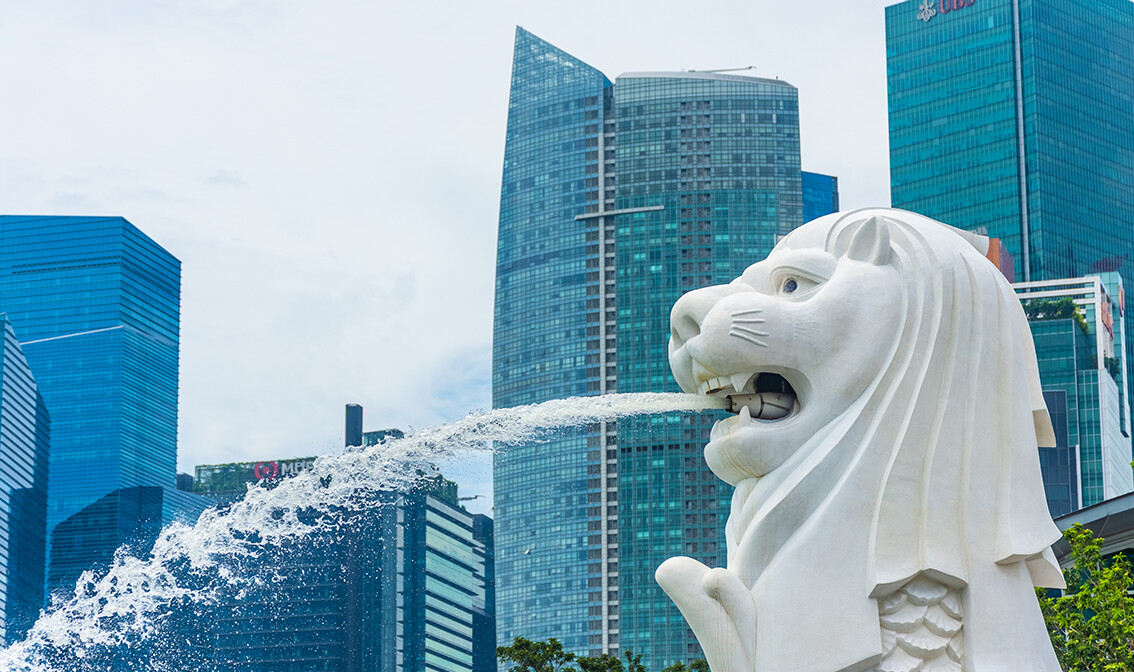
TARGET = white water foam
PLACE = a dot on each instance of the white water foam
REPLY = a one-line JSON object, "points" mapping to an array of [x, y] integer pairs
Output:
{"points": [[125, 606]]}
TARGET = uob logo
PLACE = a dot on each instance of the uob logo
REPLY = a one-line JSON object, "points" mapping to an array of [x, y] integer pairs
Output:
{"points": [[927, 11], [946, 6]]}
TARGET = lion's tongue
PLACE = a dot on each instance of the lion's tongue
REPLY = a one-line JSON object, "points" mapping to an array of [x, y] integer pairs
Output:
{"points": [[764, 405]]}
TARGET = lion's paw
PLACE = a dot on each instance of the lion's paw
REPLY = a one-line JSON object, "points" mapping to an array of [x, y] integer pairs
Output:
{"points": [[708, 598]]}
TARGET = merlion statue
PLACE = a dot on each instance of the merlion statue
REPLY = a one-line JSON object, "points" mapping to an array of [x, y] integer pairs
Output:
{"points": [[889, 512]]}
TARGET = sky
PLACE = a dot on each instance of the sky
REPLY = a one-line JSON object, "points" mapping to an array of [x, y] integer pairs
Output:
{"points": [[328, 173]]}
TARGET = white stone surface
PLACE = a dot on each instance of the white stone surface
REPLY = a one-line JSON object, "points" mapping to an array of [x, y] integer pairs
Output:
{"points": [[894, 518]]}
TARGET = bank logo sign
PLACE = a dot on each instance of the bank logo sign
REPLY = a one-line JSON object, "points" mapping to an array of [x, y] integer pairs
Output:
{"points": [[268, 471], [927, 10]]}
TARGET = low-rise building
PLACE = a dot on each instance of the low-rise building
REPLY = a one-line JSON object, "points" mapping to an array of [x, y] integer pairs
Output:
{"points": [[1077, 326], [402, 584]]}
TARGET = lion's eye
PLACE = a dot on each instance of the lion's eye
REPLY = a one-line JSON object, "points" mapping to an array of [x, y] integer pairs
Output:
{"points": [[794, 284]]}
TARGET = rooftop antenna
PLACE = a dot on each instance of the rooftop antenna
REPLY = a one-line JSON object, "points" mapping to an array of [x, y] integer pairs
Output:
{"points": [[747, 67]]}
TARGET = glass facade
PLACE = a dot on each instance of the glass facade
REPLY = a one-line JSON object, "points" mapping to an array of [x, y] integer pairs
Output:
{"points": [[1059, 464], [616, 199], [549, 339], [820, 195], [130, 517], [96, 305], [720, 155], [403, 584], [24, 435], [444, 562], [1016, 118], [1078, 331]]}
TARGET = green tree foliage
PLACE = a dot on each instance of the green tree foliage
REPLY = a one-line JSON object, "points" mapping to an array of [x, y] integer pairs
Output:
{"points": [[1113, 367], [1092, 624], [699, 665], [603, 663], [1056, 309], [634, 663], [527, 656]]}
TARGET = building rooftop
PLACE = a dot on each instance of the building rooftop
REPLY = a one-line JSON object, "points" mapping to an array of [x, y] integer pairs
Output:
{"points": [[705, 74], [1113, 520]]}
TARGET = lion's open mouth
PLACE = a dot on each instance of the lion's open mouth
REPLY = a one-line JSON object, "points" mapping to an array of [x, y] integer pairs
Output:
{"points": [[762, 396]]}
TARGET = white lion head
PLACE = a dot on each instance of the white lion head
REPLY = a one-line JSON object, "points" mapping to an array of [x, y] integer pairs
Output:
{"points": [[888, 412]]}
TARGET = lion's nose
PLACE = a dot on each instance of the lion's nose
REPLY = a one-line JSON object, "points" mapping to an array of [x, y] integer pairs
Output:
{"points": [[690, 310], [685, 322]]}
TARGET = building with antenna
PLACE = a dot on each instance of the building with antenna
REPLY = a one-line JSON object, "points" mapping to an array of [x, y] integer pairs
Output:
{"points": [[616, 198]]}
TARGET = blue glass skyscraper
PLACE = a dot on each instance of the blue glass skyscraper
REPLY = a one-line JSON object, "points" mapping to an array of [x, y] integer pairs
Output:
{"points": [[24, 433], [131, 517], [616, 199], [96, 305], [550, 339], [708, 176], [820, 195], [1016, 118]]}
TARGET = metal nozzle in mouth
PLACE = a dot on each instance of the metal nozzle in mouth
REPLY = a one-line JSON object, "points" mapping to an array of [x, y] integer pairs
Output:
{"points": [[772, 398]]}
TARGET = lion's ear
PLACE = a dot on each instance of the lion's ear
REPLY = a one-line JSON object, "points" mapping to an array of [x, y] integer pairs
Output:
{"points": [[871, 242]]}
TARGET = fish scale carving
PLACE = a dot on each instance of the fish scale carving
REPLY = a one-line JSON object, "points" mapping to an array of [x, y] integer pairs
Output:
{"points": [[921, 628]]}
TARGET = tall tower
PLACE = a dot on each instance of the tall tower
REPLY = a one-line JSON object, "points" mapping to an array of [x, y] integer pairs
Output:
{"points": [[1016, 118], [616, 199], [96, 305], [551, 337]]}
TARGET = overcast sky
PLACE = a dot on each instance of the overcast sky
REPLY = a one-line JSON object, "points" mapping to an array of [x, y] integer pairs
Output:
{"points": [[328, 173]]}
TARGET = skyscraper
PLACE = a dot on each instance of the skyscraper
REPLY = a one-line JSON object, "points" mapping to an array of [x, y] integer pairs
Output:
{"points": [[1016, 118], [617, 198], [24, 436], [95, 303]]}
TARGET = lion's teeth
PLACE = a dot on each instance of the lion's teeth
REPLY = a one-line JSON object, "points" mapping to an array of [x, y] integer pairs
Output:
{"points": [[739, 380], [716, 385], [745, 414]]}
